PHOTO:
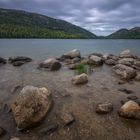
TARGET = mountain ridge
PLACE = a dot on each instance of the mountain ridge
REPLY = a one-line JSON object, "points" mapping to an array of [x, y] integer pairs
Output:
{"points": [[22, 24], [133, 33]]}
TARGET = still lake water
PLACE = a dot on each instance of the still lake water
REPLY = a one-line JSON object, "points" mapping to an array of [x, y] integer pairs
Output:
{"points": [[42, 48]]}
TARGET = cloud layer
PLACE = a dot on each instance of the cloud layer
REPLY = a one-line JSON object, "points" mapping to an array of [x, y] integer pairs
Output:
{"points": [[101, 17]]}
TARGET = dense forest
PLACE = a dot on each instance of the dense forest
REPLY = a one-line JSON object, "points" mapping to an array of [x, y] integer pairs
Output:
{"points": [[133, 33], [21, 24]]}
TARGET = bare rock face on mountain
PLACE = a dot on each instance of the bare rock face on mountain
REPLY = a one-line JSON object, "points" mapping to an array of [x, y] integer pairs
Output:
{"points": [[31, 106], [130, 110], [51, 64], [80, 79], [124, 71]]}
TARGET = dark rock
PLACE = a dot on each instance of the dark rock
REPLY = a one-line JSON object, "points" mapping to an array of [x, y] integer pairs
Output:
{"points": [[6, 108], [51, 64], [15, 88], [18, 63], [3, 61], [132, 97], [67, 118], [2, 131], [110, 62], [19, 58], [127, 91], [76, 60], [47, 130], [126, 100], [120, 82], [104, 108]]}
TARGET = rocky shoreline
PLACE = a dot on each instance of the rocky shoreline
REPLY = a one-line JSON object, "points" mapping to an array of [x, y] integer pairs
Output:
{"points": [[33, 104]]}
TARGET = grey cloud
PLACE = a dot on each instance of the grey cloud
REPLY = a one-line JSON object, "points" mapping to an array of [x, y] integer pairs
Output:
{"points": [[101, 17]]}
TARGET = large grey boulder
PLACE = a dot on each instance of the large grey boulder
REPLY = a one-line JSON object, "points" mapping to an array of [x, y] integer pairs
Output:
{"points": [[124, 71], [110, 59], [95, 60], [130, 110], [72, 54], [126, 54], [51, 64], [80, 79], [127, 61], [31, 106]]}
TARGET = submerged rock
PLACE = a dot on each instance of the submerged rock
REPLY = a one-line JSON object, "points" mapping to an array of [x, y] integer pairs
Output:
{"points": [[104, 108], [19, 58], [124, 71], [31, 106], [3, 61], [15, 138], [95, 60], [127, 91], [130, 110], [49, 129], [51, 64], [80, 79], [18, 63], [67, 118], [137, 77], [2, 131], [132, 97]]}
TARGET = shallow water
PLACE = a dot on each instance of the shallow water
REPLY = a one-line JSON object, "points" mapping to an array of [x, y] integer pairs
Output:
{"points": [[79, 100]]}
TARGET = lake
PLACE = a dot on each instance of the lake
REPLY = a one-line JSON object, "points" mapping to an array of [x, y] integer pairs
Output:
{"points": [[42, 48], [79, 100]]}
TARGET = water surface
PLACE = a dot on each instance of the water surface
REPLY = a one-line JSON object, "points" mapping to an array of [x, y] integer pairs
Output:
{"points": [[42, 48]]}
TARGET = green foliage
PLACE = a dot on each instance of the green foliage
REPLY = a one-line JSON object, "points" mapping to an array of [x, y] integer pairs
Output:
{"points": [[133, 33], [83, 68], [20, 24]]}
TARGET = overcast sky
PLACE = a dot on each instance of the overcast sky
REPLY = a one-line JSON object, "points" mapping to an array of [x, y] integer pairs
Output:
{"points": [[101, 17]]}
